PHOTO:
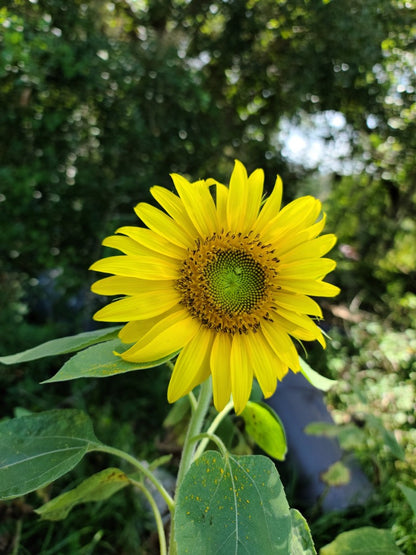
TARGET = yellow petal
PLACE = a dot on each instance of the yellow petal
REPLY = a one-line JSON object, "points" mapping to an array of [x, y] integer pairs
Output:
{"points": [[198, 203], [241, 372], [135, 330], [303, 322], [220, 370], [192, 366], [153, 241], [166, 337], [308, 287], [282, 369], [139, 307], [254, 194], [309, 249], [296, 215], [315, 229], [162, 224], [297, 303], [292, 239], [174, 207], [281, 344], [311, 268], [264, 361], [221, 196], [143, 267], [121, 285], [237, 197], [270, 208], [126, 245]]}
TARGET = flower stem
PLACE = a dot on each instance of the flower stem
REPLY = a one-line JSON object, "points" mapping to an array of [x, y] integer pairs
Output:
{"points": [[195, 425], [194, 428]]}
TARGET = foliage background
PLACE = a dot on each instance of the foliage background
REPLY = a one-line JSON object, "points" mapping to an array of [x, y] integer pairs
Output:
{"points": [[100, 100]]}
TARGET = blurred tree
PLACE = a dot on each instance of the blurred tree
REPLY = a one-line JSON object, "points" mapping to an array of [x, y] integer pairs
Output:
{"points": [[105, 99]]}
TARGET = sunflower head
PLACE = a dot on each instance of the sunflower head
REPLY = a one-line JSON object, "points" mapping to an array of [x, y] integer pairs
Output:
{"points": [[223, 277]]}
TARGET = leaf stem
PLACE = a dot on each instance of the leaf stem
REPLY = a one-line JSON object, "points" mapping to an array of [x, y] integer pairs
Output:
{"points": [[192, 400], [215, 439], [214, 425], [17, 537], [157, 515], [141, 467]]}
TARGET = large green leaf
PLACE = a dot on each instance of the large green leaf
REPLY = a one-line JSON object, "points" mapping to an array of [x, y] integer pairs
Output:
{"points": [[232, 505], [362, 541], [37, 449], [266, 428], [62, 345], [301, 542], [98, 487], [100, 361], [318, 381]]}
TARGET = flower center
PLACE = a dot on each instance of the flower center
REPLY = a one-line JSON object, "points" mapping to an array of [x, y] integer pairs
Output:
{"points": [[235, 281], [227, 282]]}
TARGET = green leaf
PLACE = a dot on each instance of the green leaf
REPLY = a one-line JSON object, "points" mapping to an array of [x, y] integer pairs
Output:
{"points": [[160, 461], [37, 449], [318, 381], [301, 542], [349, 436], [98, 487], [62, 345], [180, 409], [336, 475], [100, 361], [232, 505], [362, 541], [327, 429], [410, 495], [266, 428], [388, 438]]}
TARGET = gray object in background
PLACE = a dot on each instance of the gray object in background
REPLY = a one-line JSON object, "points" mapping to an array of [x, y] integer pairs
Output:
{"points": [[298, 404]]}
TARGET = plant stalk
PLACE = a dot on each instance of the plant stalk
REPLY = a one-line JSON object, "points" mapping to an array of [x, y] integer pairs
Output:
{"points": [[194, 428]]}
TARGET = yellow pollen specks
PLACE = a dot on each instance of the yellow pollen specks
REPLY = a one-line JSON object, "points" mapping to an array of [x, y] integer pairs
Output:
{"points": [[226, 282]]}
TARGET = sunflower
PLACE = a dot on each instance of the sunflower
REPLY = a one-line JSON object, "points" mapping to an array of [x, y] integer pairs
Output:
{"points": [[224, 282]]}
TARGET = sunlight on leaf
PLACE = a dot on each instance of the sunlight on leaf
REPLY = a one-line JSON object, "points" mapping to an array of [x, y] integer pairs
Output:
{"points": [[318, 381], [301, 542], [266, 429]]}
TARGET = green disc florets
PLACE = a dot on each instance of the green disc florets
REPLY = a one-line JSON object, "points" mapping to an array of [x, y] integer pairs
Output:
{"points": [[235, 281]]}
